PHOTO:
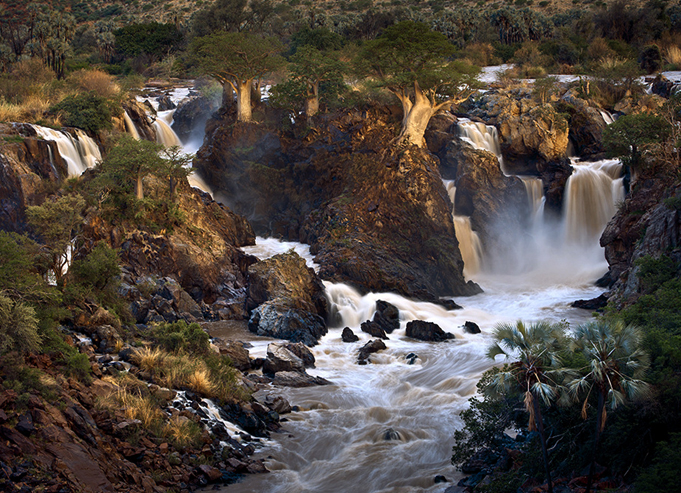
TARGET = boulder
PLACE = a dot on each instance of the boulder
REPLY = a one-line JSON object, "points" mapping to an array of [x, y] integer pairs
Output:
{"points": [[295, 325], [235, 351], [165, 103], [278, 404], [662, 86], [369, 348], [594, 304], [387, 316], [471, 327], [427, 331], [295, 379], [191, 116], [280, 358], [348, 335], [586, 121], [373, 329]]}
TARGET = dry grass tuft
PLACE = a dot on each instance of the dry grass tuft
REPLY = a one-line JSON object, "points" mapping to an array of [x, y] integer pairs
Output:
{"points": [[148, 359], [183, 432], [672, 56], [94, 80], [199, 381]]}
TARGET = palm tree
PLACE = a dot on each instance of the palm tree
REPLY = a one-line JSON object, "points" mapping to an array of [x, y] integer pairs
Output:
{"points": [[535, 348], [615, 361]]}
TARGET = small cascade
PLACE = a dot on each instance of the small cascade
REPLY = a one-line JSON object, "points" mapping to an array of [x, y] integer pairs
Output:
{"points": [[607, 117], [591, 195], [80, 152], [535, 196], [469, 241], [130, 126], [481, 136], [165, 134]]}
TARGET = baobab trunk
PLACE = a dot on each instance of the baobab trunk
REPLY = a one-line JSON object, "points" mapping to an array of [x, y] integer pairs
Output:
{"points": [[416, 117], [139, 191], [312, 101], [243, 101]]}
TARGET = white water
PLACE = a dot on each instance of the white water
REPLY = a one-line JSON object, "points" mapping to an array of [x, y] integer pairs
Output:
{"points": [[470, 245], [481, 136], [165, 134], [79, 153], [130, 126]]}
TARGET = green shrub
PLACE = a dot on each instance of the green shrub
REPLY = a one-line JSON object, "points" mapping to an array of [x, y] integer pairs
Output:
{"points": [[18, 327], [182, 337], [78, 366], [664, 475], [89, 112]]}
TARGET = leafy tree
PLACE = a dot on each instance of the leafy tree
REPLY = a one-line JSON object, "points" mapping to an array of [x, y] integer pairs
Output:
{"points": [[615, 362], [320, 38], [308, 70], [88, 111], [631, 135], [154, 39], [411, 62], [18, 327], [237, 59], [535, 348], [176, 165], [19, 267], [52, 34], [130, 160], [233, 16], [57, 222]]}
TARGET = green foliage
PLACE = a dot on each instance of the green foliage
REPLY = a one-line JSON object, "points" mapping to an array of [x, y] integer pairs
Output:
{"points": [[320, 38], [88, 111], [153, 39], [664, 475], [654, 272], [180, 336], [544, 88], [18, 327], [19, 273], [78, 366], [631, 135], [24, 380]]}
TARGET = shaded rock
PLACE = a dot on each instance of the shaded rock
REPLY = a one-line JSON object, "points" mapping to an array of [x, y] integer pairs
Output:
{"points": [[302, 351], [25, 425], [348, 335], [440, 479], [373, 329], [597, 303], [281, 358], [191, 115], [236, 352], [427, 331], [391, 434], [295, 379], [411, 358], [586, 123], [287, 299], [165, 103], [211, 473], [471, 327], [369, 348], [554, 175], [387, 316], [662, 86], [138, 115], [278, 404]]}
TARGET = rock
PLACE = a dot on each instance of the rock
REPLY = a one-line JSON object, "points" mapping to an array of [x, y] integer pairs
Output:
{"points": [[295, 379], [586, 123], [348, 335], [440, 479], [662, 86], [165, 103], [302, 351], [427, 331], [411, 358], [278, 403], [287, 299], [25, 425], [138, 115], [211, 473], [596, 304], [471, 327], [391, 434], [373, 329], [236, 352], [370, 347], [191, 115], [281, 358], [294, 325], [387, 316]]}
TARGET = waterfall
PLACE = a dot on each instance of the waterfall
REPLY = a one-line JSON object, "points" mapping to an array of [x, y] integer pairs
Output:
{"points": [[607, 117], [591, 195], [481, 136], [165, 134], [79, 152], [469, 241], [535, 196], [130, 126]]}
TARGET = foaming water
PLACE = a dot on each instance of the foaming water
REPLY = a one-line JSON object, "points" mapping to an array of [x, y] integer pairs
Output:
{"points": [[79, 152], [470, 245], [481, 136], [268, 247], [130, 126], [387, 426]]}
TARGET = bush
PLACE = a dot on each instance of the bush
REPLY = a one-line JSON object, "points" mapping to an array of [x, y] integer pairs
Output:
{"points": [[78, 366], [180, 336], [89, 112], [95, 81], [18, 327], [664, 475]]}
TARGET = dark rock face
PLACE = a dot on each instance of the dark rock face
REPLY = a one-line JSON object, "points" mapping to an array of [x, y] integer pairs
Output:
{"points": [[378, 222], [139, 117], [387, 316], [191, 115], [471, 327], [165, 103], [348, 335], [662, 86], [586, 124], [286, 300], [369, 348], [594, 304], [555, 176], [373, 329], [427, 331]]}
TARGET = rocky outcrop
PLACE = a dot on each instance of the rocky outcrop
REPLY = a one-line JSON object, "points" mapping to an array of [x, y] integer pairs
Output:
{"points": [[27, 164], [586, 122], [471, 327], [287, 357], [427, 331], [387, 316], [191, 116], [373, 329], [138, 115], [380, 222], [368, 349], [286, 299]]}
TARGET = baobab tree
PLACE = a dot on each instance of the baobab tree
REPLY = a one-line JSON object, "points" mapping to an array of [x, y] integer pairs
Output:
{"points": [[236, 60], [414, 63]]}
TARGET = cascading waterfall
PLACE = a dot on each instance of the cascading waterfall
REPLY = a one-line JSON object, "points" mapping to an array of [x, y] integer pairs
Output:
{"points": [[481, 136], [535, 195], [165, 134], [469, 241], [607, 117], [79, 152], [130, 126], [591, 195]]}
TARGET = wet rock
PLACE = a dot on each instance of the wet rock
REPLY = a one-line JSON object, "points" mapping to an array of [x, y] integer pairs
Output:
{"points": [[440, 479], [427, 331], [391, 434], [303, 352], [387, 316], [278, 404], [597, 303], [287, 299], [411, 358], [373, 329], [369, 348], [211, 473], [191, 116], [295, 379], [165, 103], [348, 335], [138, 115], [586, 123], [471, 327], [281, 359]]}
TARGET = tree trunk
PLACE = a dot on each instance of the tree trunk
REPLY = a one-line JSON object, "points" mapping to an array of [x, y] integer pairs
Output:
{"points": [[139, 191], [312, 101], [597, 440], [416, 117], [243, 101], [542, 437]]}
